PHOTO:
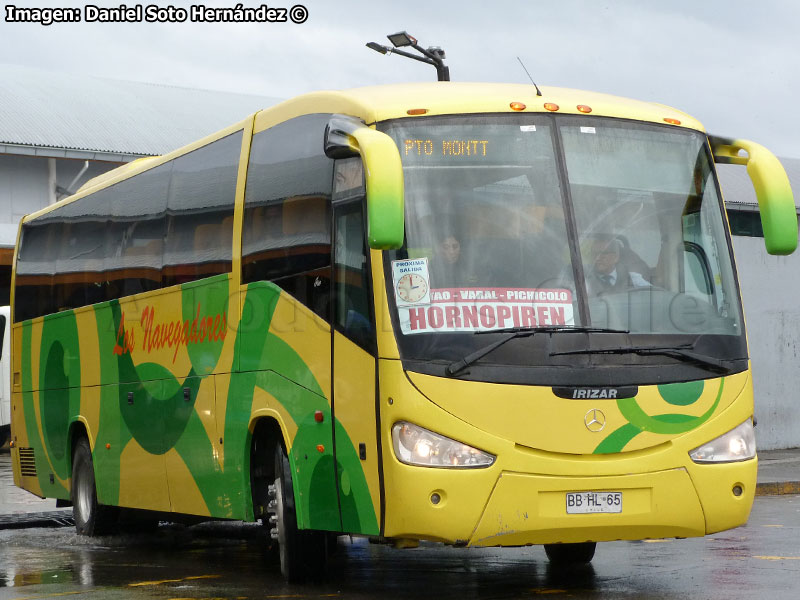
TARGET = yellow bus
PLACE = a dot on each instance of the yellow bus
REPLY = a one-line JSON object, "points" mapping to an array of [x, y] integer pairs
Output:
{"points": [[462, 313]]}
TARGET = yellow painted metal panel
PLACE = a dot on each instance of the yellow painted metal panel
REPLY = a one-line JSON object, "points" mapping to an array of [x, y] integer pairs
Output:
{"points": [[545, 422], [715, 487], [354, 406], [308, 335], [143, 479], [238, 214], [185, 496], [222, 383], [465, 493], [409, 510]]}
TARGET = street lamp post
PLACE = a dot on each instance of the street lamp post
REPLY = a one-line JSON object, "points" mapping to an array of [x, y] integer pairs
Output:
{"points": [[432, 56]]}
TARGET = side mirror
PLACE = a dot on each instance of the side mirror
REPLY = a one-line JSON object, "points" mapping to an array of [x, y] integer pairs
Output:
{"points": [[383, 171], [774, 193]]}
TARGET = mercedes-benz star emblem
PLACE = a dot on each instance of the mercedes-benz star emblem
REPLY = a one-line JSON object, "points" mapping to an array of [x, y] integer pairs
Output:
{"points": [[595, 420]]}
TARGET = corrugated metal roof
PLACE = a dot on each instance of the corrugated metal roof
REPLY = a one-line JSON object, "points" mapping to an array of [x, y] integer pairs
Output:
{"points": [[737, 189], [63, 110]]}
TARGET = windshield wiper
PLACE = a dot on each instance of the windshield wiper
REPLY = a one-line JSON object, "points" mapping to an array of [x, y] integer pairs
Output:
{"points": [[554, 329], [517, 332], [682, 353]]}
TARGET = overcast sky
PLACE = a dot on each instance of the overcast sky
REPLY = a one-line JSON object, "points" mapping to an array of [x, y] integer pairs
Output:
{"points": [[731, 64]]}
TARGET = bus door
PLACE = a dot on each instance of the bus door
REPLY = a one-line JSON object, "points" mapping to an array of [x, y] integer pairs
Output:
{"points": [[356, 448]]}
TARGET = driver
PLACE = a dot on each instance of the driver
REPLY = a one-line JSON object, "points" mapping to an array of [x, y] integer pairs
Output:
{"points": [[608, 274]]}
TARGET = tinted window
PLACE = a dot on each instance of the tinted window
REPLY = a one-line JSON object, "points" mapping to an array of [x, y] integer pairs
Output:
{"points": [[136, 233], [286, 236], [353, 297], [100, 247], [170, 224], [39, 244], [200, 212]]}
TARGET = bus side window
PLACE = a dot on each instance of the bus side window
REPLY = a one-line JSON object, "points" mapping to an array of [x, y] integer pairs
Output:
{"points": [[35, 265], [286, 234], [135, 238], [199, 229], [353, 297]]}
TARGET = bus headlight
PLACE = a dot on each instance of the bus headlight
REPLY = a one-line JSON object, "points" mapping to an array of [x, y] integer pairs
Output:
{"points": [[415, 445], [738, 444]]}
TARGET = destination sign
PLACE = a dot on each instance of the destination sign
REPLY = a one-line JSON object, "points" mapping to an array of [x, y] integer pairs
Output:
{"points": [[484, 309], [466, 145], [449, 147]]}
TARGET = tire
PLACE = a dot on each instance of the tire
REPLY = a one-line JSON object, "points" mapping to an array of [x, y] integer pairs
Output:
{"points": [[570, 554], [91, 519], [5, 433], [302, 553]]}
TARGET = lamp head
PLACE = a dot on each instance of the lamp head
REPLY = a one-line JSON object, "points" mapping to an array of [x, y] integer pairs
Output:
{"points": [[378, 48], [401, 39]]}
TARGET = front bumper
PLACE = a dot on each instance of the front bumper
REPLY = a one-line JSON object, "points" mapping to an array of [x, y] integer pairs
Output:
{"points": [[517, 509]]}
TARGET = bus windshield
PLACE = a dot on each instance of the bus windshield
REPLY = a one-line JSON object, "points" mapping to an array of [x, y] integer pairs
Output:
{"points": [[536, 221]]}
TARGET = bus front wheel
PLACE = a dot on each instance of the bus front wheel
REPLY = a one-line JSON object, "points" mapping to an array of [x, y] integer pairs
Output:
{"points": [[570, 554], [302, 553], [91, 518]]}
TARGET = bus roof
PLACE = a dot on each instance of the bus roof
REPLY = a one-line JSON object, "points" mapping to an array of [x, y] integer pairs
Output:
{"points": [[379, 103]]}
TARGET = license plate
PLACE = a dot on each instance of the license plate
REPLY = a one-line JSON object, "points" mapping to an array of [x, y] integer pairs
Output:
{"points": [[580, 503]]}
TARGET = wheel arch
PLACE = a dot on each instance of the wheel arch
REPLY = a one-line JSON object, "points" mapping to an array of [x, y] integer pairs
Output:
{"points": [[78, 428], [266, 428]]}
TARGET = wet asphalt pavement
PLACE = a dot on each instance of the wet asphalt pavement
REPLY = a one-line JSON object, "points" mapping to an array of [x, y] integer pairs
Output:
{"points": [[14, 500], [760, 560], [227, 560]]}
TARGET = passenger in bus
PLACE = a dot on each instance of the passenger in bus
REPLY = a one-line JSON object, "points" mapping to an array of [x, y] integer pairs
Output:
{"points": [[447, 263], [608, 274]]}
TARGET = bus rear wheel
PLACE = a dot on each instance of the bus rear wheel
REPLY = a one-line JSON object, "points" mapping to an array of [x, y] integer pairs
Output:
{"points": [[91, 518], [302, 553], [570, 554]]}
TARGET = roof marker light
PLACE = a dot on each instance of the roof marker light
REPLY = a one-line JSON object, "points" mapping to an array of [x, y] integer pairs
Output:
{"points": [[550, 106], [416, 111], [584, 109], [672, 121], [517, 106]]}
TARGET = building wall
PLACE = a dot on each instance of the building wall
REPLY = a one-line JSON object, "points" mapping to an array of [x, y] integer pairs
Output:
{"points": [[23, 189], [27, 183], [770, 288]]}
